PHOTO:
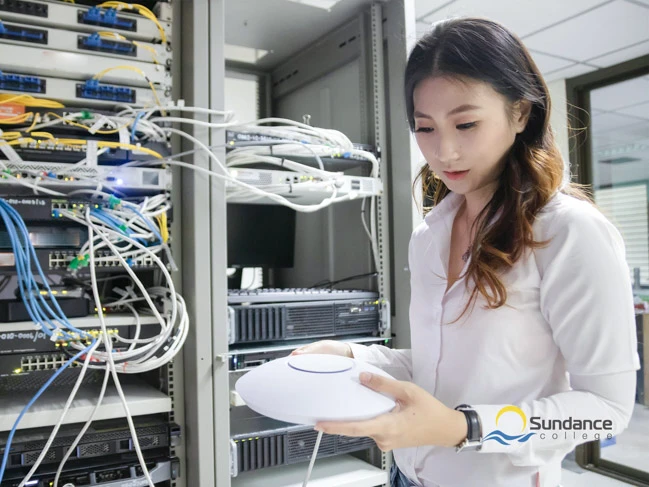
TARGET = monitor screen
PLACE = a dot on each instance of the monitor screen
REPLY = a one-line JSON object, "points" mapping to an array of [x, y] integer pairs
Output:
{"points": [[260, 236]]}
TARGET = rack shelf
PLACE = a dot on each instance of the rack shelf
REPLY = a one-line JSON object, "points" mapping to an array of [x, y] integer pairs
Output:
{"points": [[340, 471], [141, 399]]}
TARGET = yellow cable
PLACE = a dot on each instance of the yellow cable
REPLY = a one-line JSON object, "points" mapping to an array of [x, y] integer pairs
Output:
{"points": [[10, 135], [29, 101], [113, 35], [23, 117], [80, 125], [34, 122], [142, 10], [162, 223], [75, 142], [148, 48], [46, 135], [101, 73]]}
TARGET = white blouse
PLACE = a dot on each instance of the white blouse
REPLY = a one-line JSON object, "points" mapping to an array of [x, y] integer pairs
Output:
{"points": [[564, 346]]}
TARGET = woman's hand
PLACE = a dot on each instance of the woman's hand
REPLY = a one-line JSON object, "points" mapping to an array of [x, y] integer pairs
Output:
{"points": [[418, 419], [329, 347]]}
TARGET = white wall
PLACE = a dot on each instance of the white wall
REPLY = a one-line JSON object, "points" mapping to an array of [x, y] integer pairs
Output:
{"points": [[241, 97], [559, 117]]}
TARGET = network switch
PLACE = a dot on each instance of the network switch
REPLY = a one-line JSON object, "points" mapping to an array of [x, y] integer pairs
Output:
{"points": [[53, 150], [47, 209], [299, 188], [31, 351], [82, 18], [15, 310], [56, 260], [135, 180], [345, 161]]}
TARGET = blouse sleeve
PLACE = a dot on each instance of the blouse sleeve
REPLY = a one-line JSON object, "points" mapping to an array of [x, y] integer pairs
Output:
{"points": [[586, 298]]}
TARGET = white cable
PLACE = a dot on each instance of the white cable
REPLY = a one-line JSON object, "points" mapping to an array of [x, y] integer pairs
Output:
{"points": [[84, 429], [192, 121], [109, 345], [315, 453], [177, 303], [55, 431]]}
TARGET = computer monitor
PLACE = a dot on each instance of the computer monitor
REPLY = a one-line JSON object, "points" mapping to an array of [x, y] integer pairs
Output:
{"points": [[260, 236]]}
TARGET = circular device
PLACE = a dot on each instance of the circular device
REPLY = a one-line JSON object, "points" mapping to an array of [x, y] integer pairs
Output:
{"points": [[306, 389]]}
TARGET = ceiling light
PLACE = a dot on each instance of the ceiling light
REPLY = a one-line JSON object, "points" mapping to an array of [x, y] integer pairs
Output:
{"points": [[323, 4], [243, 54]]}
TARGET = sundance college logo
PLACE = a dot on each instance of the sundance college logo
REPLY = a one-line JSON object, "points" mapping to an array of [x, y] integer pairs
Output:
{"points": [[559, 428]]}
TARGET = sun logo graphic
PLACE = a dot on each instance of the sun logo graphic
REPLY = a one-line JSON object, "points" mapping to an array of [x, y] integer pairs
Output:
{"points": [[504, 438]]}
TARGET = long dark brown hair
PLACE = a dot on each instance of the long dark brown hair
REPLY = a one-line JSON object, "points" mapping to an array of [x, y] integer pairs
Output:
{"points": [[483, 50]]}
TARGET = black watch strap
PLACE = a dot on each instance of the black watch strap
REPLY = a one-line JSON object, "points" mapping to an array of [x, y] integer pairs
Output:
{"points": [[473, 439]]}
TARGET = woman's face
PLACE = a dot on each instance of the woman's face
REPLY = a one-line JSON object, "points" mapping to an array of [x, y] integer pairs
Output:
{"points": [[464, 128]]}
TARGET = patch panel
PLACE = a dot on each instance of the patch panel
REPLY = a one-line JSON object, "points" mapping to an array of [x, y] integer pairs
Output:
{"points": [[83, 18], [22, 7], [106, 18], [24, 34], [23, 84], [88, 44], [94, 90], [81, 66], [65, 91], [47, 209], [133, 180], [95, 42]]}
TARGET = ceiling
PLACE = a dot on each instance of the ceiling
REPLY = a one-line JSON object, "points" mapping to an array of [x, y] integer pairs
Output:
{"points": [[281, 27], [566, 38], [570, 38]]}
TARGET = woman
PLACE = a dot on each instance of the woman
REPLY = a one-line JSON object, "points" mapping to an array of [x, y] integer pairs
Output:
{"points": [[521, 306]]}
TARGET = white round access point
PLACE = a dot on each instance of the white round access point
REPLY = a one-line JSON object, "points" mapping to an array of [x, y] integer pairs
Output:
{"points": [[305, 389]]}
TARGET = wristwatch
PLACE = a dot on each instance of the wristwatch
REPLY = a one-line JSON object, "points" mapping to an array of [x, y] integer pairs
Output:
{"points": [[473, 440]]}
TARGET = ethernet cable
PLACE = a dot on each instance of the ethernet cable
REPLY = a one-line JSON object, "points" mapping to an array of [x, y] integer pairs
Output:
{"points": [[177, 341], [178, 108], [52, 322], [73, 447], [38, 394], [64, 413], [109, 345]]}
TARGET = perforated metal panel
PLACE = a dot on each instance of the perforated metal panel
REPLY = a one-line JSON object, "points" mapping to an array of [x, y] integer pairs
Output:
{"points": [[261, 452]]}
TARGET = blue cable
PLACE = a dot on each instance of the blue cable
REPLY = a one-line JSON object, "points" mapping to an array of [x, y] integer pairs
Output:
{"points": [[134, 126], [32, 285], [24, 251], [5, 457], [148, 223]]}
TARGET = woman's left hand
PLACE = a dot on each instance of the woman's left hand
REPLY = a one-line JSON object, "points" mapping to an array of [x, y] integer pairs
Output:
{"points": [[418, 419]]}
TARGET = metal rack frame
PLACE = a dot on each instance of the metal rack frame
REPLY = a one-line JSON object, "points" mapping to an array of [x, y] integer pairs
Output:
{"points": [[386, 29]]}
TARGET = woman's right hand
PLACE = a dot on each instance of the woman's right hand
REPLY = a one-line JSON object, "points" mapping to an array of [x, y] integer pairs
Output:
{"points": [[328, 347]]}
